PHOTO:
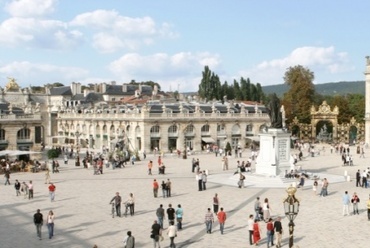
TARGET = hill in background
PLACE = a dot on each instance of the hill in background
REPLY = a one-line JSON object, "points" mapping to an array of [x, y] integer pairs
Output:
{"points": [[338, 88]]}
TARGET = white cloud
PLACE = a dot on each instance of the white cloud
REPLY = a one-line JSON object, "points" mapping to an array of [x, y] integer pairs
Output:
{"points": [[112, 31], [183, 68], [320, 60], [30, 8], [28, 73], [47, 34]]}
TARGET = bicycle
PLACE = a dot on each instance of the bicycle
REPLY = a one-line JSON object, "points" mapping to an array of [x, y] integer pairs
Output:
{"points": [[113, 209], [127, 207]]}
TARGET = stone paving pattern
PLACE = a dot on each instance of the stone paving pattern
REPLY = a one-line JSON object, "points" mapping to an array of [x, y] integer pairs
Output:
{"points": [[83, 214]]}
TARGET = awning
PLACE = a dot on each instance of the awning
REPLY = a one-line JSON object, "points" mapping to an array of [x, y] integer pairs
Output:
{"points": [[254, 138], [208, 140]]}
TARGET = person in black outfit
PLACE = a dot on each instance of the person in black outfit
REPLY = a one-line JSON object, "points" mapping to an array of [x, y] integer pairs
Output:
{"points": [[279, 231], [156, 233], [17, 186], [358, 179], [39, 221], [170, 213]]}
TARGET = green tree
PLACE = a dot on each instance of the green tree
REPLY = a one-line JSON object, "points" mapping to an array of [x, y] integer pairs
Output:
{"points": [[298, 99], [260, 94], [53, 153], [237, 92], [210, 85]]}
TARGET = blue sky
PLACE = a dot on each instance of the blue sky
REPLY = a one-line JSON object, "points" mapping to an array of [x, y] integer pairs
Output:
{"points": [[170, 42]]}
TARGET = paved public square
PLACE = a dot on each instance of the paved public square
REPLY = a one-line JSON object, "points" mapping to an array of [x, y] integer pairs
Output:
{"points": [[83, 213]]}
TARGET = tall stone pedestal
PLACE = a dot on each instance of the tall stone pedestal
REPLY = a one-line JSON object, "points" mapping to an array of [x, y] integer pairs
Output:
{"points": [[274, 156]]}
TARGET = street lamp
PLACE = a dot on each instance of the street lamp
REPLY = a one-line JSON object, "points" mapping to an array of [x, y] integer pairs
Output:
{"points": [[291, 207], [77, 134]]}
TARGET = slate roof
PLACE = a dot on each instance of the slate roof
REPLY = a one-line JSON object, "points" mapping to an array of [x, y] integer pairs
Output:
{"points": [[61, 91], [207, 108]]}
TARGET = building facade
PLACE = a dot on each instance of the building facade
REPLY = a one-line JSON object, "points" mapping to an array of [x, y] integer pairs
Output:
{"points": [[163, 126]]}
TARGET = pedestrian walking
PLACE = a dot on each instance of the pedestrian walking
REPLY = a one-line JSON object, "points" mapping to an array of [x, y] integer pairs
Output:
{"points": [[278, 231], [314, 187], [172, 233], [250, 228], [30, 190], [160, 215], [209, 220], [52, 191], [131, 203], [256, 233], [156, 234], [38, 221], [204, 180], [179, 215], [129, 241], [257, 209], [17, 186], [47, 176], [270, 232], [170, 213], [155, 188], [346, 201], [50, 223], [266, 208], [355, 200], [24, 189], [7, 177], [164, 188], [198, 177], [221, 216], [117, 202], [216, 203], [364, 179], [168, 187], [358, 179], [324, 188], [150, 166], [241, 180]]}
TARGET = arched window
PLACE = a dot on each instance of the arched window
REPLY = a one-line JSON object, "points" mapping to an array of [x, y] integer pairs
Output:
{"points": [[172, 129], [205, 128], [154, 129], [23, 133], [190, 128]]}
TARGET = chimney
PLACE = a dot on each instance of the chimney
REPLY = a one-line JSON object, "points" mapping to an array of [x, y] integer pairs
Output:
{"points": [[103, 87], [124, 87]]}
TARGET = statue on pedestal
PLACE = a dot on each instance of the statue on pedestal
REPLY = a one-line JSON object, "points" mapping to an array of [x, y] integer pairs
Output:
{"points": [[274, 112]]}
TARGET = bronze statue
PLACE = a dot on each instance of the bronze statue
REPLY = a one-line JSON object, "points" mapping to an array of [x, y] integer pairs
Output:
{"points": [[274, 112]]}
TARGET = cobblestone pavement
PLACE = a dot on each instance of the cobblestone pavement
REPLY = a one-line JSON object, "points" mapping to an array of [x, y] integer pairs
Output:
{"points": [[83, 213]]}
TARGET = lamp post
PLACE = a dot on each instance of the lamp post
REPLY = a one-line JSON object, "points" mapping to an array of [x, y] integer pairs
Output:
{"points": [[291, 207], [77, 148]]}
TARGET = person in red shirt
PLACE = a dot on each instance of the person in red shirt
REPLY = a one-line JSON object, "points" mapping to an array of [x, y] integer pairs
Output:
{"points": [[270, 232], [221, 216], [52, 191], [155, 188]]}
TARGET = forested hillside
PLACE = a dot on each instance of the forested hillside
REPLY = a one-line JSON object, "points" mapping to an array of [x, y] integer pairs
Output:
{"points": [[338, 88]]}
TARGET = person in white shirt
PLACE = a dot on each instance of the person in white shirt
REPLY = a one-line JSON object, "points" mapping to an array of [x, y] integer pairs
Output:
{"points": [[172, 233], [250, 228]]}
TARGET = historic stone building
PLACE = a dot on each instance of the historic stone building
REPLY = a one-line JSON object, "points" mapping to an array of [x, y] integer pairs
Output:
{"points": [[163, 126], [22, 118]]}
